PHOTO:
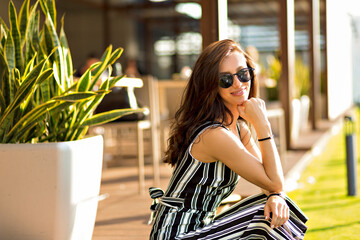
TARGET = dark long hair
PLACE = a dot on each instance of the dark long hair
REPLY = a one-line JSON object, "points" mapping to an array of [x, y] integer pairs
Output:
{"points": [[201, 101]]}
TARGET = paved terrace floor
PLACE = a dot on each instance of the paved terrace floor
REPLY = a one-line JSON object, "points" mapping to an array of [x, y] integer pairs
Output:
{"points": [[124, 214]]}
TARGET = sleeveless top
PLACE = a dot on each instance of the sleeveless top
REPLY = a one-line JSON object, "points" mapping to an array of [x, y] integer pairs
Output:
{"points": [[194, 193]]}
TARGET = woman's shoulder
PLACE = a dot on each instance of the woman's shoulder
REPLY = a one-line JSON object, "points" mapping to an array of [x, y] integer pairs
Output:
{"points": [[206, 126], [208, 141], [213, 124], [213, 132]]}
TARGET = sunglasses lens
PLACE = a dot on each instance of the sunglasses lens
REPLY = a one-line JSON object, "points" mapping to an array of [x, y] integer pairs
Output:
{"points": [[244, 75], [226, 80]]}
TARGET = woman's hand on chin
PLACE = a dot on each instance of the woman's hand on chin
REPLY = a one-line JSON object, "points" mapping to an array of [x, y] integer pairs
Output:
{"points": [[253, 110]]}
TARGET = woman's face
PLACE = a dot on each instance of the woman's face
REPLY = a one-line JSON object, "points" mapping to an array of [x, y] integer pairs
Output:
{"points": [[239, 91]]}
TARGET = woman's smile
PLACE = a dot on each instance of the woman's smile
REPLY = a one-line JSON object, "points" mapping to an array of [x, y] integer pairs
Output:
{"points": [[239, 92]]}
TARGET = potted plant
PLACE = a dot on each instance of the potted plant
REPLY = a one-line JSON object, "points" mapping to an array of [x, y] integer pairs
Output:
{"points": [[272, 77], [49, 172]]}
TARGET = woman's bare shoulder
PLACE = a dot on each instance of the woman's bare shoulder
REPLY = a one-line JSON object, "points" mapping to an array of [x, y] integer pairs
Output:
{"points": [[209, 142]]}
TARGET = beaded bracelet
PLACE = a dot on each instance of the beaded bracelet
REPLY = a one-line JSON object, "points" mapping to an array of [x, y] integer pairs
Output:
{"points": [[267, 138]]}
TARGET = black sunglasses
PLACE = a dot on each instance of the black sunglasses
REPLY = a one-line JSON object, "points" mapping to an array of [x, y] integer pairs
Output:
{"points": [[244, 75]]}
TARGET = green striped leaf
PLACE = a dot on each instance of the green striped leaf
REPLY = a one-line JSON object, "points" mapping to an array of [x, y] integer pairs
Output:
{"points": [[44, 85], [45, 91], [10, 52], [15, 32], [104, 60], [16, 75], [45, 75], [22, 94], [33, 73], [105, 85], [81, 132], [48, 7], [10, 59], [4, 84], [29, 52], [36, 34], [112, 115], [72, 88], [101, 67], [32, 33], [4, 128], [75, 97], [2, 102], [4, 69], [30, 65], [115, 55], [72, 120], [114, 80], [84, 111], [23, 19], [66, 51], [3, 33], [28, 119], [84, 81], [83, 115], [52, 10], [4, 25], [56, 75], [58, 59], [55, 42], [33, 132]]}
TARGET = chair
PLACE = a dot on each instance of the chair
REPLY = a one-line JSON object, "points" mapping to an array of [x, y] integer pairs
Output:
{"points": [[170, 94], [121, 137]]}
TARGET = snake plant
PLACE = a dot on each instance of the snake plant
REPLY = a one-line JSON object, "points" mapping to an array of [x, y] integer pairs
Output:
{"points": [[39, 99]]}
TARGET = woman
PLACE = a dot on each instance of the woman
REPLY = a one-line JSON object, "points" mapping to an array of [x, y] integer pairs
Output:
{"points": [[209, 149]]}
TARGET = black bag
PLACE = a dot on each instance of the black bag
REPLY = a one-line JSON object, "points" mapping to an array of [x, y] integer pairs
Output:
{"points": [[118, 98]]}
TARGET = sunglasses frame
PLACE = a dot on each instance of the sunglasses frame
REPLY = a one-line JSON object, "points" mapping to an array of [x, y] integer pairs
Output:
{"points": [[226, 84]]}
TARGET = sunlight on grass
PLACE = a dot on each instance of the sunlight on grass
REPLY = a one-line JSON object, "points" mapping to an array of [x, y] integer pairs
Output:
{"points": [[323, 193]]}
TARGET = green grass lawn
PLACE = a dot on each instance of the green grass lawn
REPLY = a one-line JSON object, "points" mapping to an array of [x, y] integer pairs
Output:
{"points": [[323, 193]]}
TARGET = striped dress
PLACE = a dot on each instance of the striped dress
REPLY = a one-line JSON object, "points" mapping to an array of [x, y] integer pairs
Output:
{"points": [[187, 209]]}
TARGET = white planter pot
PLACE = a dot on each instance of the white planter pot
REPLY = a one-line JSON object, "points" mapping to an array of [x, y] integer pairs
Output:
{"points": [[304, 112], [295, 118], [50, 190], [300, 116]]}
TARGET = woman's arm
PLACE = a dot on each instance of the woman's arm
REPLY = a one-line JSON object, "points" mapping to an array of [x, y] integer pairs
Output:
{"points": [[275, 204], [248, 140], [220, 144], [254, 111], [263, 169]]}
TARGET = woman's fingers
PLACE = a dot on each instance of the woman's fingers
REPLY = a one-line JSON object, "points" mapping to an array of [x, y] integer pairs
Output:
{"points": [[275, 218], [278, 217], [279, 210], [252, 109]]}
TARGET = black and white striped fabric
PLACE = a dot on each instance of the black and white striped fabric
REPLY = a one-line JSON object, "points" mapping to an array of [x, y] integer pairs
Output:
{"points": [[196, 189]]}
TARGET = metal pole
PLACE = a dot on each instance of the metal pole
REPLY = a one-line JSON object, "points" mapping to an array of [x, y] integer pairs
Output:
{"points": [[351, 156]]}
